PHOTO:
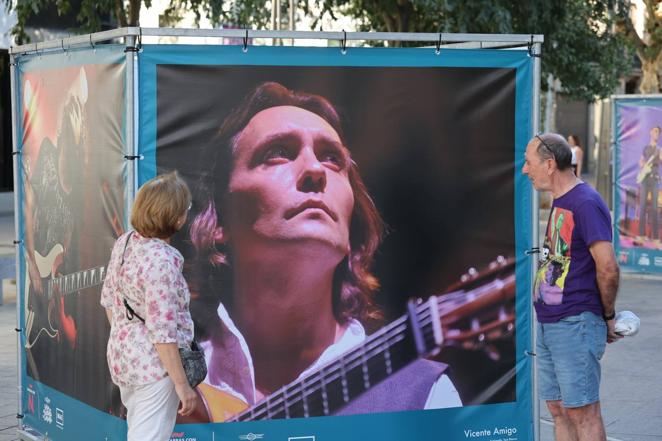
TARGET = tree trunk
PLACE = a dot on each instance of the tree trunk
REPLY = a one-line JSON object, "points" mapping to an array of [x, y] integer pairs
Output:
{"points": [[120, 15], [650, 82], [134, 12], [550, 106]]}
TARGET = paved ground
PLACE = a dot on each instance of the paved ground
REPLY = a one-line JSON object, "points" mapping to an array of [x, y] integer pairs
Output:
{"points": [[632, 373], [632, 378]]}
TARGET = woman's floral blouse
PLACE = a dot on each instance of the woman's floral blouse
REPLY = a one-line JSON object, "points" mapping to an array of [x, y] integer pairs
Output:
{"points": [[151, 281]]}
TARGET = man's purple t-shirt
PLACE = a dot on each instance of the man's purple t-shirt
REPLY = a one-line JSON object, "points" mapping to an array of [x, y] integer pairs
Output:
{"points": [[566, 282]]}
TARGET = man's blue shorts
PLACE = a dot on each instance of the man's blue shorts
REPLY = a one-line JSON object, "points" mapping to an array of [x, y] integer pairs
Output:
{"points": [[568, 354]]}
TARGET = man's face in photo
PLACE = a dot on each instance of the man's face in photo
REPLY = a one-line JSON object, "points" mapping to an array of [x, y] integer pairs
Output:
{"points": [[655, 134], [289, 186]]}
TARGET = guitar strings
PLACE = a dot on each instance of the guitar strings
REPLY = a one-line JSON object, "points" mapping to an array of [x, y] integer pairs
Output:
{"points": [[355, 358], [303, 391], [333, 370], [297, 392]]}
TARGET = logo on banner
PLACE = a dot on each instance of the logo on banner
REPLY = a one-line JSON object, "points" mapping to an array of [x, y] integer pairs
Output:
{"points": [[623, 257], [47, 412], [644, 260], [32, 396], [59, 418], [251, 436], [181, 436]]}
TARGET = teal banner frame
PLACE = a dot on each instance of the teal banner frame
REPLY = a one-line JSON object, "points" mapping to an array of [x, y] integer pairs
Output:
{"points": [[504, 421], [44, 409]]}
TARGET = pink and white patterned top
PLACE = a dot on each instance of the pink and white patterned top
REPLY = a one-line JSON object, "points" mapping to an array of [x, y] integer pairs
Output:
{"points": [[151, 280]]}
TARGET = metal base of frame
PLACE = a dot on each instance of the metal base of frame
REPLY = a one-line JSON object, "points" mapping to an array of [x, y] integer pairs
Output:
{"points": [[27, 434]]}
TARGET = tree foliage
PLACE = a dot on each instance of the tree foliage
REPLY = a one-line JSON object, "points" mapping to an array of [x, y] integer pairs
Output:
{"points": [[648, 47], [244, 13], [581, 49]]}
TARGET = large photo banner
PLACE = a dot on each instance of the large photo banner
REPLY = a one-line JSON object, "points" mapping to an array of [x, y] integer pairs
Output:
{"points": [[637, 188], [355, 250], [72, 194]]}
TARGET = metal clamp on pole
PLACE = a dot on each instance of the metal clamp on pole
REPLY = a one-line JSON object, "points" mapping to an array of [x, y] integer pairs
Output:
{"points": [[133, 157], [245, 48], [532, 251], [139, 43], [343, 43], [529, 48]]}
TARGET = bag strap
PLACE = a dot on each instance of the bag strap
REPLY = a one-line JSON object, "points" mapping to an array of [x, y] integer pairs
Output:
{"points": [[126, 244], [130, 313]]}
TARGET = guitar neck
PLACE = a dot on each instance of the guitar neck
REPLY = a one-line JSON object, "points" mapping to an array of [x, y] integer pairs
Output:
{"points": [[74, 282], [416, 334], [334, 385]]}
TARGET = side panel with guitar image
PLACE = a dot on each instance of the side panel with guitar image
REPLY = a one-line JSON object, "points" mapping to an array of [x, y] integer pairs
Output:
{"points": [[73, 186], [637, 183]]}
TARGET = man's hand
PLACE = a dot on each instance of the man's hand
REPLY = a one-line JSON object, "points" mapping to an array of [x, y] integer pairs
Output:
{"points": [[608, 277], [188, 397], [612, 336]]}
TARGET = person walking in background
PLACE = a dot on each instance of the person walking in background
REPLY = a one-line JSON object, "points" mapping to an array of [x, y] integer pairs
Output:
{"points": [[574, 293], [577, 160], [147, 303]]}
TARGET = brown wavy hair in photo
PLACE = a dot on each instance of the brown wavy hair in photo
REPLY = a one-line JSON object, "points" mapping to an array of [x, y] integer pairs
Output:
{"points": [[210, 273]]}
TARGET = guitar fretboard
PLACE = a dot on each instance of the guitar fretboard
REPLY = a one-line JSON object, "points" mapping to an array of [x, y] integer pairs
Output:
{"points": [[71, 283], [385, 352], [336, 384]]}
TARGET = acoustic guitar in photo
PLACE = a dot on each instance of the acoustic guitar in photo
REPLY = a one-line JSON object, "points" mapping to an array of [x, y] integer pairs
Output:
{"points": [[466, 317], [44, 317]]}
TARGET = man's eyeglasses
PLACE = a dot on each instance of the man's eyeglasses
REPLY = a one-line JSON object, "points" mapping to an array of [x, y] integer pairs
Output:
{"points": [[549, 149]]}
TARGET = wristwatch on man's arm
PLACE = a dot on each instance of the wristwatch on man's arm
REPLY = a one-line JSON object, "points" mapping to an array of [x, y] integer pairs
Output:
{"points": [[608, 317]]}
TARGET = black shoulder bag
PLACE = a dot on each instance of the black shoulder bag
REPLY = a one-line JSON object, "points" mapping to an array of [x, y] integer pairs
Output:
{"points": [[193, 360]]}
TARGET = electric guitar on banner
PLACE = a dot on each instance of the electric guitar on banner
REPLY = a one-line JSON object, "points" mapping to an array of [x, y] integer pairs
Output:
{"points": [[468, 318], [40, 317], [647, 169]]}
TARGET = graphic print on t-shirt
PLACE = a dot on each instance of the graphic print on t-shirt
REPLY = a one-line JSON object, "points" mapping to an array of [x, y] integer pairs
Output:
{"points": [[555, 260]]}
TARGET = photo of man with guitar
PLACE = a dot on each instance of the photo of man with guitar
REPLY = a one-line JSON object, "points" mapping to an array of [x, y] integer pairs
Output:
{"points": [[300, 231], [51, 218], [280, 250], [72, 212], [648, 179]]}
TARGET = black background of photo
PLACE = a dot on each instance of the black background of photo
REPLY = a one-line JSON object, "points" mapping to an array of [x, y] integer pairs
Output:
{"points": [[435, 147]]}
